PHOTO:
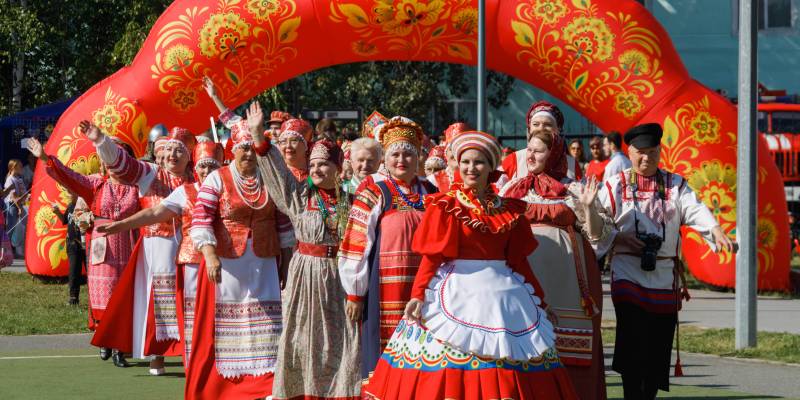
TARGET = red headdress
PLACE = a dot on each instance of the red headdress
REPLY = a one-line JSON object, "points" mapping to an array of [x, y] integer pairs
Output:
{"points": [[327, 150], [240, 134], [296, 128], [278, 117], [436, 158], [453, 130], [182, 136], [549, 109], [159, 144], [207, 151]]}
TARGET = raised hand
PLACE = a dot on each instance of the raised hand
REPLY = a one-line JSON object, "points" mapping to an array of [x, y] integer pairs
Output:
{"points": [[589, 192], [91, 131], [255, 117], [208, 85], [35, 147]]}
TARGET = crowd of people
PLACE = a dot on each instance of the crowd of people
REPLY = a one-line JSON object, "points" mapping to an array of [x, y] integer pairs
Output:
{"points": [[290, 266]]}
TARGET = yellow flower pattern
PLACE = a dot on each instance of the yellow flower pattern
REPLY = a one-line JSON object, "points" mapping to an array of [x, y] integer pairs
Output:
{"points": [[705, 128], [107, 118], [635, 62], [223, 35], [178, 57], [550, 11], [715, 185], [628, 104], [589, 38], [401, 19], [466, 21], [184, 99], [262, 9]]}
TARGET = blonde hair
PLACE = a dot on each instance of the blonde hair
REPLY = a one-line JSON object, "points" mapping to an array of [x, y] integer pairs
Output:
{"points": [[12, 166]]}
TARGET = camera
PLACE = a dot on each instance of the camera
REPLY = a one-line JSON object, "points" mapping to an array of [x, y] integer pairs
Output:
{"points": [[652, 243]]}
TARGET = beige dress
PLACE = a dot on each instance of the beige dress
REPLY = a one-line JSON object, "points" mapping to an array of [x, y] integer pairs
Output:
{"points": [[318, 354], [566, 266]]}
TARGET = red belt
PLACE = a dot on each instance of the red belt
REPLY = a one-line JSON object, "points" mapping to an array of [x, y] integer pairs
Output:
{"points": [[317, 250]]}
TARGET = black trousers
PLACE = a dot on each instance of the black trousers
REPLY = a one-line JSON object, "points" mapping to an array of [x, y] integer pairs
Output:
{"points": [[77, 261], [643, 350]]}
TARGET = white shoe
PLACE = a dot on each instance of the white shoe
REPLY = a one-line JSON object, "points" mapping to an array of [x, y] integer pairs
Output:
{"points": [[157, 371]]}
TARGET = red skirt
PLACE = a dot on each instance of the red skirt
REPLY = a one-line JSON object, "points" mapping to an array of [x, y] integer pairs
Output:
{"points": [[116, 330], [417, 366], [202, 379]]}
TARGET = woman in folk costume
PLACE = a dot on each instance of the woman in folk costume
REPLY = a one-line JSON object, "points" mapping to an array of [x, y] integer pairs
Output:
{"points": [[179, 204], [376, 268], [570, 225], [238, 305], [318, 355], [436, 161], [108, 254], [474, 327], [542, 116], [148, 288], [443, 178]]}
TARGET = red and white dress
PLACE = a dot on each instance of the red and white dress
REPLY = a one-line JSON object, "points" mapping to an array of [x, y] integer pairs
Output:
{"points": [[484, 333], [376, 263], [150, 279], [238, 321], [442, 179], [106, 200]]}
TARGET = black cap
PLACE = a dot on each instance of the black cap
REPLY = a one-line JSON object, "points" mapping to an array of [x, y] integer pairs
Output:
{"points": [[644, 135]]}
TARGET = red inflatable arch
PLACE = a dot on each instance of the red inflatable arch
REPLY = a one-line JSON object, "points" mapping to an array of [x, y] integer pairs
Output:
{"points": [[610, 60]]}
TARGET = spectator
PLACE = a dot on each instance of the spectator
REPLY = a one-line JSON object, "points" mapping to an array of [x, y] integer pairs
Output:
{"points": [[15, 206], [576, 151], [28, 170], [617, 161], [75, 249], [597, 166], [326, 129]]}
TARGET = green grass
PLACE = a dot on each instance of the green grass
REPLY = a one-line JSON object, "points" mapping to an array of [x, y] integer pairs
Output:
{"points": [[782, 347], [31, 307]]}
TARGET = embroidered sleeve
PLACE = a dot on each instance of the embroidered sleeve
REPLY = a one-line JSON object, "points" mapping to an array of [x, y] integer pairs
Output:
{"points": [[287, 193], [205, 211], [695, 214], [359, 237], [229, 118], [84, 186], [602, 243], [127, 169]]}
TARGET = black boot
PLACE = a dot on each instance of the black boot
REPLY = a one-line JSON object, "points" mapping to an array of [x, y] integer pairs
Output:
{"points": [[119, 360], [73, 300], [105, 353]]}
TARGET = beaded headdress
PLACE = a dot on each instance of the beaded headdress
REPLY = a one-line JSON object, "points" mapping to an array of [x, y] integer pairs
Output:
{"points": [[296, 128], [401, 129]]}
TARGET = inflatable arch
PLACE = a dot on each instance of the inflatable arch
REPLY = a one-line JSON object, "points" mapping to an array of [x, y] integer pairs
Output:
{"points": [[610, 60]]}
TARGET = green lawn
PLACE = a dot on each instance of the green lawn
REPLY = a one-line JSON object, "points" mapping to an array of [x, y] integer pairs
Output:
{"points": [[783, 347], [31, 307]]}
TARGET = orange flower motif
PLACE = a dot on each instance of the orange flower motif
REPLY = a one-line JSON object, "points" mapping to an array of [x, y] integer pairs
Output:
{"points": [[705, 128], [550, 11], [401, 19], [107, 119], [184, 99], [715, 185], [589, 38], [635, 62], [223, 34], [262, 9], [628, 104]]}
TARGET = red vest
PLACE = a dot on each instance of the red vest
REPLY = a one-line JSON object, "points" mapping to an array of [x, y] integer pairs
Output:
{"points": [[237, 221], [188, 254], [163, 184]]}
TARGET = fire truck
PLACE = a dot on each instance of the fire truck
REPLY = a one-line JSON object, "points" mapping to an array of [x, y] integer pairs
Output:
{"points": [[779, 122]]}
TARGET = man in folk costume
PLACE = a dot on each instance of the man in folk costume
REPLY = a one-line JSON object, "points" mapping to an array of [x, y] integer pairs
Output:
{"points": [[376, 263], [649, 206], [276, 119], [542, 116], [444, 178], [179, 204], [149, 284], [238, 318]]}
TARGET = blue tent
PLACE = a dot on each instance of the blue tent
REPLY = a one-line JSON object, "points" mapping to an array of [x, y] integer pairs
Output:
{"points": [[37, 122]]}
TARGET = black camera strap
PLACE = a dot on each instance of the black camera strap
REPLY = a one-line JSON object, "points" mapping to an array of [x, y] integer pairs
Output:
{"points": [[661, 193]]}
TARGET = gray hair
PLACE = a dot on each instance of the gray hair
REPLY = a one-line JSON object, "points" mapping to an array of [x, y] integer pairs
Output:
{"points": [[368, 144]]}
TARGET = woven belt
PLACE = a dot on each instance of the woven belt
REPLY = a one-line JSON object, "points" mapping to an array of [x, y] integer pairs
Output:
{"points": [[317, 250]]}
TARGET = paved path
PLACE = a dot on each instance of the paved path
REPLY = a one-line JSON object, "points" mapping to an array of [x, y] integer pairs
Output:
{"points": [[710, 309]]}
